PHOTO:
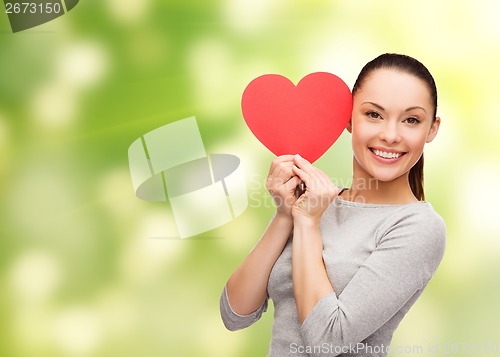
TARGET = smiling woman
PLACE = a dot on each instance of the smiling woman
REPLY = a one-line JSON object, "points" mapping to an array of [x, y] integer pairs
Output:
{"points": [[410, 92], [344, 266]]}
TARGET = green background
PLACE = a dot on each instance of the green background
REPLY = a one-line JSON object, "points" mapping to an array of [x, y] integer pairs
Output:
{"points": [[86, 269]]}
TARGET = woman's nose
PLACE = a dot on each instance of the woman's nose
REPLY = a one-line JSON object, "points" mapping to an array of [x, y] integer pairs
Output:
{"points": [[389, 132]]}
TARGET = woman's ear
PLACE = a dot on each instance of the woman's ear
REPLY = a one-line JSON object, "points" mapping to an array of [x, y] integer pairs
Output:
{"points": [[433, 130], [349, 126]]}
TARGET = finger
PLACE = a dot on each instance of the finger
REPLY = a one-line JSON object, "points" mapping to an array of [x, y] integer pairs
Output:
{"points": [[278, 160], [325, 179], [283, 172], [292, 183], [322, 176], [278, 165], [304, 176], [325, 183], [303, 164], [317, 182]]}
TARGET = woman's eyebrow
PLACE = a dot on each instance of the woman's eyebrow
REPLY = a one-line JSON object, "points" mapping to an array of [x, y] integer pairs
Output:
{"points": [[374, 104], [415, 107], [383, 109]]}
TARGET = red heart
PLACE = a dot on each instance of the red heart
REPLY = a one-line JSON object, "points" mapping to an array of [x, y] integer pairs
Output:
{"points": [[305, 119]]}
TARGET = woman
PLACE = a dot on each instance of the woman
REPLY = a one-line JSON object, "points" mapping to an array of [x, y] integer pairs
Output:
{"points": [[343, 266]]}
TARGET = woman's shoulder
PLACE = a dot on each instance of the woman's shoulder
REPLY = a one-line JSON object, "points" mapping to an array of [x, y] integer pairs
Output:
{"points": [[417, 225], [420, 214]]}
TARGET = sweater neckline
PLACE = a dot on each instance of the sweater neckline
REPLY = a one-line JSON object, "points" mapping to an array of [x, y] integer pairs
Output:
{"points": [[341, 202]]}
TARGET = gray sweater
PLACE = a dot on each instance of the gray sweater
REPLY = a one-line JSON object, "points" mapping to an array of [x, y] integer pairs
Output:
{"points": [[378, 257]]}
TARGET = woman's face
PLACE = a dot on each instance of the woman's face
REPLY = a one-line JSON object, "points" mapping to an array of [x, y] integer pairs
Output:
{"points": [[392, 119]]}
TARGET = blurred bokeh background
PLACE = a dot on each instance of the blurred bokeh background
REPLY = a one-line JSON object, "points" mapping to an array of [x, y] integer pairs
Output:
{"points": [[86, 268]]}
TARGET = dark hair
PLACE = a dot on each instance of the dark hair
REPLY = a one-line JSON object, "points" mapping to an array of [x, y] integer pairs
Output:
{"points": [[412, 66]]}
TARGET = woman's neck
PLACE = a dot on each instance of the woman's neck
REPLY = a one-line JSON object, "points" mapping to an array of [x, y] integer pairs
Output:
{"points": [[367, 189]]}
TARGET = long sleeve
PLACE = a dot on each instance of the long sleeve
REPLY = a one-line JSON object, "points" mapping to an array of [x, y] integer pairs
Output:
{"points": [[234, 321], [404, 260]]}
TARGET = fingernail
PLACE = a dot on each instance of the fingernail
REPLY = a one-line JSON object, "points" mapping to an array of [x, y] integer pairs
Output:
{"points": [[298, 156]]}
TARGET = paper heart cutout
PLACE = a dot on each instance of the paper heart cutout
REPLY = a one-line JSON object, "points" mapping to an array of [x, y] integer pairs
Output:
{"points": [[306, 119]]}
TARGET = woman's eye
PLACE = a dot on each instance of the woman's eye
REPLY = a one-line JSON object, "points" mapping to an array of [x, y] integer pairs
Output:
{"points": [[412, 120], [373, 115]]}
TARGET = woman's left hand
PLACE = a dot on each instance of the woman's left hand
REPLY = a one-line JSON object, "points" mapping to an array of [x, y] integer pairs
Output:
{"points": [[319, 193]]}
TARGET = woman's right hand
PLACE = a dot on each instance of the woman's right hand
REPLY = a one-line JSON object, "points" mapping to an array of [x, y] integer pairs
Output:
{"points": [[281, 183]]}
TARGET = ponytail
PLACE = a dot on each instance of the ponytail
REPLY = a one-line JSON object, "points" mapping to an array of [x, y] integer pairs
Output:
{"points": [[416, 179]]}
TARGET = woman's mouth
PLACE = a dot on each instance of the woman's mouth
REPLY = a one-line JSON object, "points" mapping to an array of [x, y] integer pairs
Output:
{"points": [[387, 156]]}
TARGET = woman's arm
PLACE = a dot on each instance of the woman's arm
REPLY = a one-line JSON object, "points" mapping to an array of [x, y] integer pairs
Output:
{"points": [[310, 280], [387, 283], [247, 286]]}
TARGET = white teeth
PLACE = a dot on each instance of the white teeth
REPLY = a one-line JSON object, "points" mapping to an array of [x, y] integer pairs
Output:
{"points": [[387, 155]]}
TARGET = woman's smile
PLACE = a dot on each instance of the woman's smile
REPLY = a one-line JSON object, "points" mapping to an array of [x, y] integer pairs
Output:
{"points": [[386, 156]]}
